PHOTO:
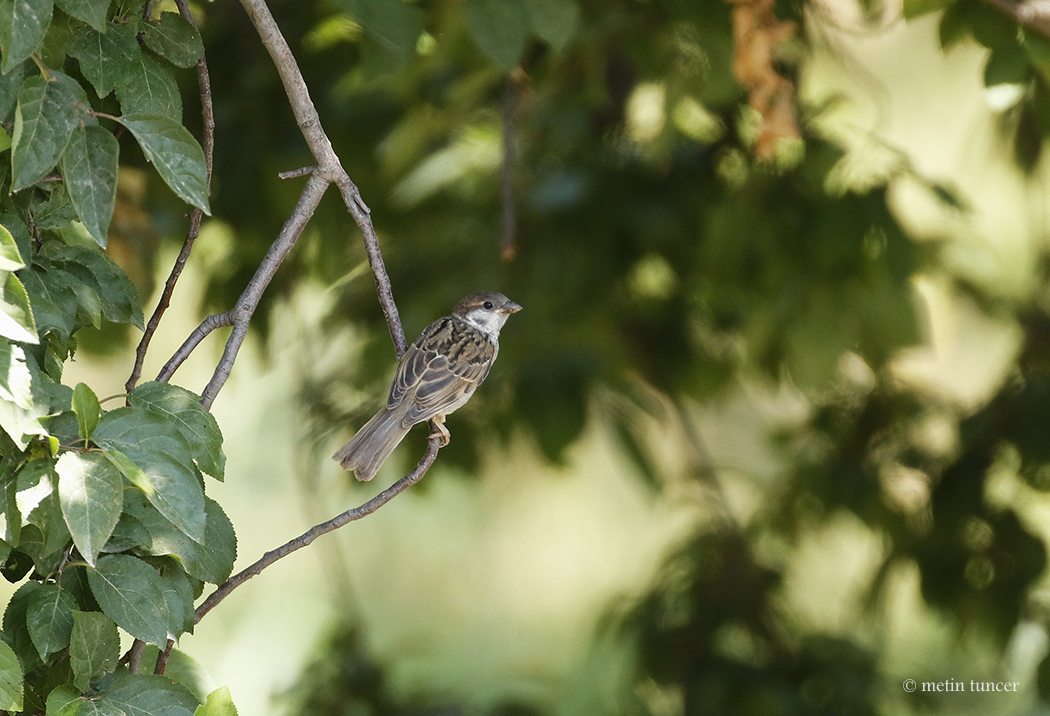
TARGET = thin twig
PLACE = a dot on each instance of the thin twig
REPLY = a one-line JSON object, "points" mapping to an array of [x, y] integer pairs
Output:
{"points": [[433, 445], [300, 172], [244, 308], [196, 215]]}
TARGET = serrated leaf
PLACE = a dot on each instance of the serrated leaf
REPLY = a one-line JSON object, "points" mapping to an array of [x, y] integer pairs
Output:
{"points": [[89, 170], [10, 679], [555, 21], [118, 297], [210, 560], [147, 694], [91, 493], [173, 38], [50, 619], [15, 378], [499, 27], [93, 12], [178, 596], [20, 414], [52, 292], [10, 83], [44, 120], [172, 149], [10, 258], [132, 472], [87, 409], [131, 593], [16, 314], [156, 445], [152, 91], [196, 425], [16, 633], [108, 58], [218, 703], [63, 700], [94, 647], [23, 25]]}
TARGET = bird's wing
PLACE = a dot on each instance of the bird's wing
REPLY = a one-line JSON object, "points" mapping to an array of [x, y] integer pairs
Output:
{"points": [[440, 369]]}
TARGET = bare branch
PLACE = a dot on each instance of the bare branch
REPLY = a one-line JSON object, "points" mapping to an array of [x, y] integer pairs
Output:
{"points": [[196, 215], [300, 172], [433, 445]]}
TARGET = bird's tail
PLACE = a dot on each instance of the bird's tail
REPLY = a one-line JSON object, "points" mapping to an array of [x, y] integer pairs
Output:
{"points": [[366, 452]]}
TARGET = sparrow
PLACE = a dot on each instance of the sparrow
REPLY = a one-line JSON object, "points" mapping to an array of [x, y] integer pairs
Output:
{"points": [[436, 375]]}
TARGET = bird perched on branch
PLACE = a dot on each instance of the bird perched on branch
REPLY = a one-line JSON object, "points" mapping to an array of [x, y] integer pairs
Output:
{"points": [[438, 374]]}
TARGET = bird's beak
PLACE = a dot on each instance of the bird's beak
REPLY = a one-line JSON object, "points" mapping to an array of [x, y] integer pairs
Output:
{"points": [[510, 307]]}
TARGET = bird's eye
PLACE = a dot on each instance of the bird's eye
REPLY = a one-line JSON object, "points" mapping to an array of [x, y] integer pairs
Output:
{"points": [[487, 305]]}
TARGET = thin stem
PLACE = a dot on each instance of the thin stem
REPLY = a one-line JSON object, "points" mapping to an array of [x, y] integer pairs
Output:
{"points": [[196, 215], [433, 445]]}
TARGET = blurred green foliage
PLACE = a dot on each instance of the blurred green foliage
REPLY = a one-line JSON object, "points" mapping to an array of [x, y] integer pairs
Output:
{"points": [[653, 254]]}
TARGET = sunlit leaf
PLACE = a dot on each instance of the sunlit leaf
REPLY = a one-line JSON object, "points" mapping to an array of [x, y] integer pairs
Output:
{"points": [[153, 90], [174, 152], [196, 425], [10, 679], [91, 492], [108, 58]]}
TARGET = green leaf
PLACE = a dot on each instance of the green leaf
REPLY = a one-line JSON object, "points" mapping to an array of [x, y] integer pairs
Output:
{"points": [[108, 58], [16, 314], [91, 493], [46, 114], [147, 694], [23, 25], [392, 31], [16, 633], [93, 12], [50, 619], [89, 170], [210, 560], [10, 258], [9, 85], [10, 679], [174, 38], [152, 91], [499, 27], [64, 700], [15, 378], [196, 425], [94, 647], [53, 293], [555, 21], [1008, 64], [178, 597], [219, 703], [117, 295], [132, 472], [917, 8], [87, 409], [156, 445], [131, 593], [19, 412], [176, 154]]}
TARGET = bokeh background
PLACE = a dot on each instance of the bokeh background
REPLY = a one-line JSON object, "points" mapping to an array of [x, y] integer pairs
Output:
{"points": [[771, 434]]}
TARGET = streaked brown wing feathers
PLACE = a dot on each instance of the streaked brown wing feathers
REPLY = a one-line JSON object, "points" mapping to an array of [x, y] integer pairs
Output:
{"points": [[448, 361]]}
